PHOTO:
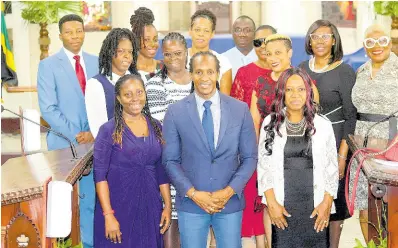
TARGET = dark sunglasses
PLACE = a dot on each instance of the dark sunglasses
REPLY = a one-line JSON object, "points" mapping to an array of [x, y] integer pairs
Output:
{"points": [[258, 42]]}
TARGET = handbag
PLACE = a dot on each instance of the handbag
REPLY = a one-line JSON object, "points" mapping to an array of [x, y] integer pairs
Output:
{"points": [[258, 205], [389, 154]]}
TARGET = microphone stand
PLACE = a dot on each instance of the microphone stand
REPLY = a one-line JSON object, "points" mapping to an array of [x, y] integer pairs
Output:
{"points": [[72, 146]]}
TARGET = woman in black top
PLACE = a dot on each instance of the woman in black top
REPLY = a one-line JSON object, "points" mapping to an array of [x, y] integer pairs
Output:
{"points": [[334, 80]]}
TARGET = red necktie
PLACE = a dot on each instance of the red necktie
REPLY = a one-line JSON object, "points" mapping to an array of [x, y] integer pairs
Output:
{"points": [[80, 73]]}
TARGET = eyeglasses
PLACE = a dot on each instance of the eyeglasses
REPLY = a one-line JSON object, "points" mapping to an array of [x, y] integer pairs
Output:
{"points": [[370, 42], [177, 54], [244, 30], [121, 51], [258, 42], [323, 37]]}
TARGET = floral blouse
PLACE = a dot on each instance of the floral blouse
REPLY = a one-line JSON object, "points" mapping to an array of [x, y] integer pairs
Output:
{"points": [[376, 96]]}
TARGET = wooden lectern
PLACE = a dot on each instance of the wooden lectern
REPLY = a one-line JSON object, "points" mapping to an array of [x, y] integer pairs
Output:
{"points": [[383, 181], [24, 182]]}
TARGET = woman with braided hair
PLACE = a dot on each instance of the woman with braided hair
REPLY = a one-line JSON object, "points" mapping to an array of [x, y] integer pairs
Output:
{"points": [[118, 56], [170, 85], [129, 174], [147, 41]]}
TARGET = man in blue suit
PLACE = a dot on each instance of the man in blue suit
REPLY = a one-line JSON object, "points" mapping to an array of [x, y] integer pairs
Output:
{"points": [[210, 153], [61, 84]]}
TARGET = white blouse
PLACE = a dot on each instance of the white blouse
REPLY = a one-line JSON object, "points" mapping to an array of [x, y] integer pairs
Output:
{"points": [[270, 168], [225, 65], [96, 103]]}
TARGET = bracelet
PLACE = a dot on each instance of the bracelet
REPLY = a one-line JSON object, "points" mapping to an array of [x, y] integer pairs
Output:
{"points": [[341, 156], [193, 193], [108, 212]]}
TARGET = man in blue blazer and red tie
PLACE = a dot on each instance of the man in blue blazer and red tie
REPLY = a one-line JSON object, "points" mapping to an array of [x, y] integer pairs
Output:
{"points": [[61, 83], [210, 153]]}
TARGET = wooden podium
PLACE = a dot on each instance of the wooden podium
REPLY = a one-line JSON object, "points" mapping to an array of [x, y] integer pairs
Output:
{"points": [[383, 182], [24, 182]]}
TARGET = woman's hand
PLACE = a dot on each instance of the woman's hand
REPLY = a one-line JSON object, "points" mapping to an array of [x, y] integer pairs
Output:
{"points": [[165, 220], [277, 214], [323, 213], [112, 229], [342, 164]]}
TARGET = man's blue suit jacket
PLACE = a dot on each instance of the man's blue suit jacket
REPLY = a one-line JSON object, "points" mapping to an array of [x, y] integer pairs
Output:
{"points": [[61, 99], [188, 159]]}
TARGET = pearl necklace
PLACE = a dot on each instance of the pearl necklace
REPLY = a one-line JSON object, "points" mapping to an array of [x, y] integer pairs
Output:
{"points": [[312, 66]]}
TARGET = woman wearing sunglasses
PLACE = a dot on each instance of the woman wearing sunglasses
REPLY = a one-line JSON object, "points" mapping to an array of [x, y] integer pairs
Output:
{"points": [[375, 95], [334, 80], [242, 89], [203, 26], [278, 53]]}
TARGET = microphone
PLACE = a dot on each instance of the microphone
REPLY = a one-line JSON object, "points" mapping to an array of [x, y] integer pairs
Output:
{"points": [[72, 146], [365, 141]]}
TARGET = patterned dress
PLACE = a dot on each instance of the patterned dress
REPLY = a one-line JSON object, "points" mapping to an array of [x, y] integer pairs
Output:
{"points": [[242, 89], [373, 96], [162, 93], [265, 92]]}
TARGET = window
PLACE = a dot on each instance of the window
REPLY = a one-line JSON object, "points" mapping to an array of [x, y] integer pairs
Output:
{"points": [[222, 10]]}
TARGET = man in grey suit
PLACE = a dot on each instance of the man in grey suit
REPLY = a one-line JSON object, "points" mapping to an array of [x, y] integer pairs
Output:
{"points": [[210, 153]]}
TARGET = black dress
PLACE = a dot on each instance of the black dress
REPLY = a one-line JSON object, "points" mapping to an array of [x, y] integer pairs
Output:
{"points": [[299, 199], [335, 87]]}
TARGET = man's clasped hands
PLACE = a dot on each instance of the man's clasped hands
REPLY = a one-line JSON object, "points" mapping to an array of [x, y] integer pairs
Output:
{"points": [[211, 202]]}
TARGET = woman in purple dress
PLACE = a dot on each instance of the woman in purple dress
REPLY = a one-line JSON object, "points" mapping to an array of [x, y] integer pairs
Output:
{"points": [[128, 173]]}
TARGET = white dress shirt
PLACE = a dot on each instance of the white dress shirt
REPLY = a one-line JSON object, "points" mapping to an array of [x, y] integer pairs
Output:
{"points": [[70, 56], [96, 103], [238, 59], [270, 168], [215, 108]]}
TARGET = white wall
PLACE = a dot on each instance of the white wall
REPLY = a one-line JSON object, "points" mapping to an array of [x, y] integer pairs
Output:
{"points": [[299, 15]]}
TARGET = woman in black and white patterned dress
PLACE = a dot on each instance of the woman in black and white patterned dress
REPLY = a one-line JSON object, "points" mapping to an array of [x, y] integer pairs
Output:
{"points": [[170, 85], [375, 95]]}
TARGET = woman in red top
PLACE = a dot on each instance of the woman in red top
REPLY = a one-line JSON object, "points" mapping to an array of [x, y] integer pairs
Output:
{"points": [[245, 80], [278, 52]]}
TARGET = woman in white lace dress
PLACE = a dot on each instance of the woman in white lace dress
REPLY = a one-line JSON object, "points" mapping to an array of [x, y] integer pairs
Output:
{"points": [[375, 96], [297, 165]]}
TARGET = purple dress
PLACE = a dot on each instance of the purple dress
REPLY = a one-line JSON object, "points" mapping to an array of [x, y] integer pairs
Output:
{"points": [[134, 173]]}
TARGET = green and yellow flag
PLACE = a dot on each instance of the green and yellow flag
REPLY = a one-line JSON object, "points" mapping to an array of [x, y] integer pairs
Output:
{"points": [[8, 70]]}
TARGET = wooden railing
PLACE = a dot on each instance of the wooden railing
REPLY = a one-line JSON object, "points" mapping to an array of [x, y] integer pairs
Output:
{"points": [[19, 89]]}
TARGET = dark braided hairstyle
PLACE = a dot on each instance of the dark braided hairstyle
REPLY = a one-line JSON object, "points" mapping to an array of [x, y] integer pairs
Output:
{"points": [[207, 53], [278, 113], [142, 17], [109, 47], [119, 121], [207, 14], [173, 36]]}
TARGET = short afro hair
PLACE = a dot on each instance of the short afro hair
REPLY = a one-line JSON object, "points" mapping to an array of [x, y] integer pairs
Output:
{"points": [[69, 18]]}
